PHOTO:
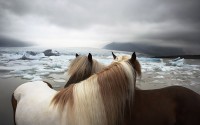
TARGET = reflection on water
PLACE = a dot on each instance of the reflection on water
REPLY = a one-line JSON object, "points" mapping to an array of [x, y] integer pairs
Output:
{"points": [[7, 86]]}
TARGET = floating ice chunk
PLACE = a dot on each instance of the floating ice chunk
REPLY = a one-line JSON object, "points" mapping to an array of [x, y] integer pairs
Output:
{"points": [[28, 76], [50, 52], [154, 66], [177, 62], [109, 57], [189, 73], [159, 77], [56, 86], [193, 84], [58, 70], [6, 76], [156, 81], [31, 53], [28, 56], [36, 78], [59, 80], [54, 65], [43, 73], [16, 68], [10, 56]]}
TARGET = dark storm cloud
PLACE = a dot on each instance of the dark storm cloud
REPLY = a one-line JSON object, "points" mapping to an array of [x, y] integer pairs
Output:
{"points": [[181, 18], [78, 12], [192, 38], [8, 42]]}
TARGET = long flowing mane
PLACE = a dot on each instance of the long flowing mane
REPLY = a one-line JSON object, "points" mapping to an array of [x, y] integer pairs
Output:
{"points": [[135, 63], [100, 99], [81, 68]]}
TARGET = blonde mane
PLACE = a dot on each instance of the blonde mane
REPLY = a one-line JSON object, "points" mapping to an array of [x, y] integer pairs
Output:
{"points": [[81, 68], [79, 64], [135, 63], [100, 99]]}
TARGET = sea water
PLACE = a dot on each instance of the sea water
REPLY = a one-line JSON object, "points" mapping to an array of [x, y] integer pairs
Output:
{"points": [[32, 64], [20, 64]]}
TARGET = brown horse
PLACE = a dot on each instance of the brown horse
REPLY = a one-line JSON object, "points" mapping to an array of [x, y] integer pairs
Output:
{"points": [[81, 68], [174, 105]]}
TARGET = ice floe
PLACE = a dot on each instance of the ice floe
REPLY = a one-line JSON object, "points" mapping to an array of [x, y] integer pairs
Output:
{"points": [[36, 64], [177, 62]]}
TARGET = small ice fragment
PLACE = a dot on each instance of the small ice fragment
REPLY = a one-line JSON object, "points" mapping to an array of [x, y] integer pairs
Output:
{"points": [[159, 77], [27, 76], [36, 78], [6, 76], [59, 80]]}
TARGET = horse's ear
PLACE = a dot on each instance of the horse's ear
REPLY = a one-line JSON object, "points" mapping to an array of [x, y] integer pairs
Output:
{"points": [[77, 55], [114, 56], [90, 57], [133, 57]]}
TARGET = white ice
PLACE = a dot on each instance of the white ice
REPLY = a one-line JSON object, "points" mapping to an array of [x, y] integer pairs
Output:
{"points": [[41, 66]]}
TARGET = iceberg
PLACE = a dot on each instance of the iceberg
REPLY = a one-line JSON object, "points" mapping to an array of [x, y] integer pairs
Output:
{"points": [[28, 56], [28, 76], [50, 52], [36, 78], [176, 62]]}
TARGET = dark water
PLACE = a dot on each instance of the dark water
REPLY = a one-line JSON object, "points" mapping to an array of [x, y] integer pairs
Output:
{"points": [[7, 86]]}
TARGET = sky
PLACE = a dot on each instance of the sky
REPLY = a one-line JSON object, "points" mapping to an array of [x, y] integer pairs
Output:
{"points": [[95, 23]]}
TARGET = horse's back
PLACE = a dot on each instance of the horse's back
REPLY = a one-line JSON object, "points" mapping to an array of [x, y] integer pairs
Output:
{"points": [[32, 88], [169, 105], [33, 104], [188, 106]]}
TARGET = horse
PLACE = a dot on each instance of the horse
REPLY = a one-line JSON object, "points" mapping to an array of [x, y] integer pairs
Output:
{"points": [[81, 68], [100, 99], [14, 101], [173, 105]]}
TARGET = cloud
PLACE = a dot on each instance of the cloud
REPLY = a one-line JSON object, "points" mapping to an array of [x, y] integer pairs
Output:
{"points": [[170, 23], [8, 42]]}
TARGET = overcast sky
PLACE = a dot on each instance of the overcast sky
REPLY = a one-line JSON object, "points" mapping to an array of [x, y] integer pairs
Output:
{"points": [[95, 23]]}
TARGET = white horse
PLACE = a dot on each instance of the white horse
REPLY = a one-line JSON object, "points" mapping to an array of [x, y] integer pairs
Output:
{"points": [[98, 100]]}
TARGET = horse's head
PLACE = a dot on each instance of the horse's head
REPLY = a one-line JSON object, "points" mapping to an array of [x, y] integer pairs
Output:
{"points": [[81, 68], [132, 59]]}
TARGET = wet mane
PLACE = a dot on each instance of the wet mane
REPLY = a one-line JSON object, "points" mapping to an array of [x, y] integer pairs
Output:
{"points": [[101, 98]]}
